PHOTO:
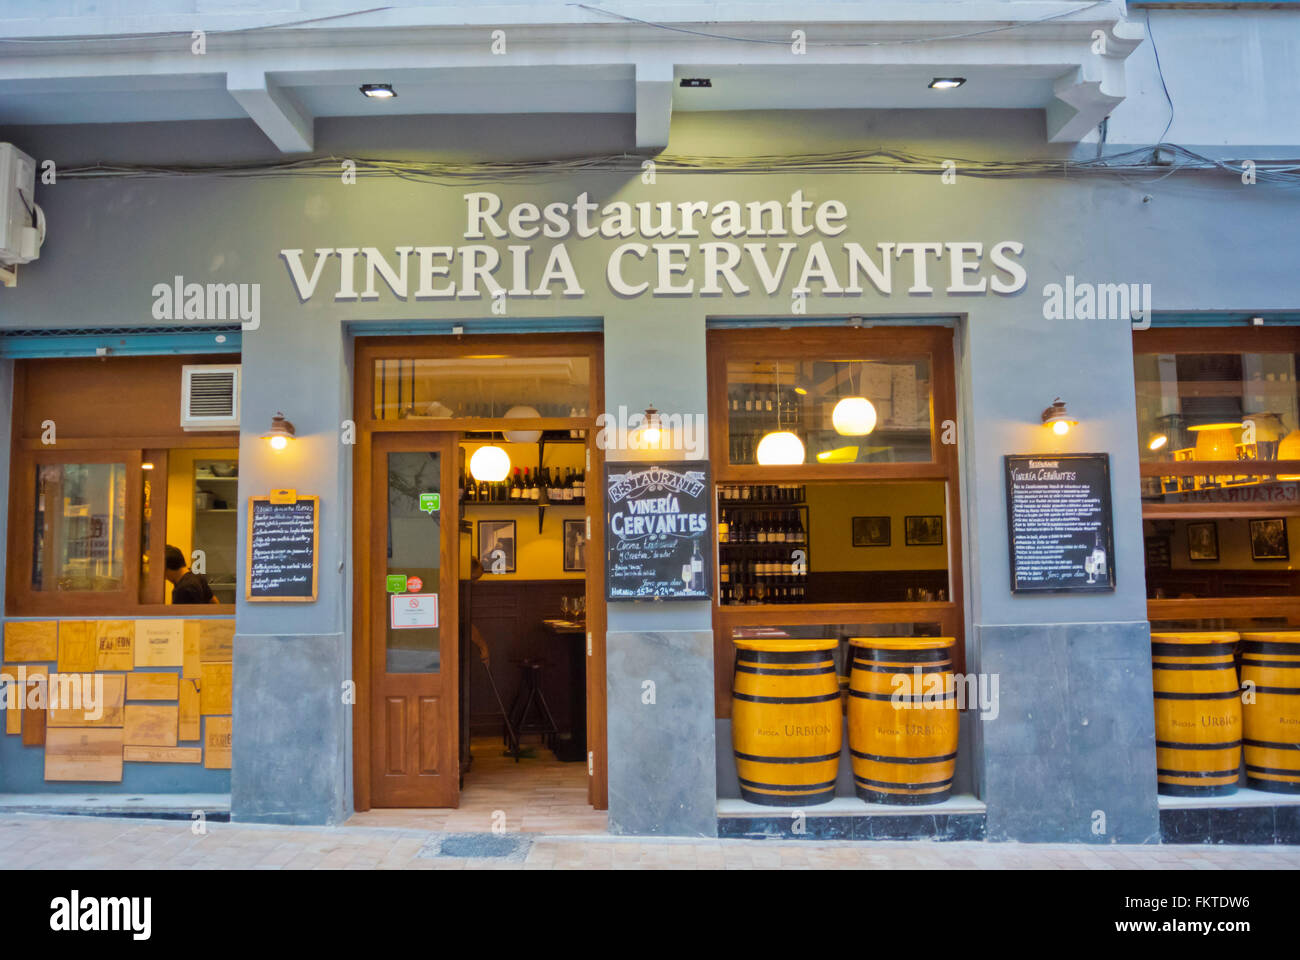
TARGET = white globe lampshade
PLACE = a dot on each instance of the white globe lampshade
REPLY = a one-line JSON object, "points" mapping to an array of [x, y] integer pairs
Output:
{"points": [[779, 449], [854, 417], [523, 436], [489, 464]]}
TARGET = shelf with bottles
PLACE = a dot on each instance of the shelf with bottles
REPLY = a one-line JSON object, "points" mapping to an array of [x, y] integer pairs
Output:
{"points": [[760, 495], [763, 551], [768, 577], [525, 486]]}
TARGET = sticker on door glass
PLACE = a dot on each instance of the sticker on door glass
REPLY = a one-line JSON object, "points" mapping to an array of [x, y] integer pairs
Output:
{"points": [[430, 502], [413, 611], [414, 584], [396, 582]]}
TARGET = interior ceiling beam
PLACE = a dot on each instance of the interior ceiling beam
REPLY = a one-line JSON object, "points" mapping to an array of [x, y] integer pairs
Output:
{"points": [[285, 123]]}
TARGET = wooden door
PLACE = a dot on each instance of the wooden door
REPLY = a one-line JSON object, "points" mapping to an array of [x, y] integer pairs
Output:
{"points": [[413, 662]]}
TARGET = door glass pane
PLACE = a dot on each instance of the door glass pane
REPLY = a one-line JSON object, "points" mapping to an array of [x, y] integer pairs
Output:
{"points": [[1217, 406], [482, 386], [80, 526], [843, 411], [413, 635]]}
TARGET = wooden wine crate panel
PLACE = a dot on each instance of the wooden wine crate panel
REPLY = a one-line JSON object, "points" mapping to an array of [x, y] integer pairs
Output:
{"points": [[15, 697], [31, 640], [112, 694], [77, 646], [91, 754], [214, 689], [216, 640], [34, 717], [115, 645], [136, 754], [190, 717], [190, 657], [216, 745], [151, 725], [159, 643], [152, 686]]}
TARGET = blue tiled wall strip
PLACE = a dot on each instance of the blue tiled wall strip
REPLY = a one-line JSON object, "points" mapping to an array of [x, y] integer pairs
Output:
{"points": [[119, 342]]}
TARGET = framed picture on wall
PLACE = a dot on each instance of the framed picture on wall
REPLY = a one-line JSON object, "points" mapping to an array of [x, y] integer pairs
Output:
{"points": [[923, 531], [871, 532], [1268, 539], [575, 546], [1203, 541], [496, 545]]}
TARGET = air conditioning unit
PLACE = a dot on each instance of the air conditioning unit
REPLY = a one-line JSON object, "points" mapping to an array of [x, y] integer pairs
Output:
{"points": [[22, 222], [210, 396]]}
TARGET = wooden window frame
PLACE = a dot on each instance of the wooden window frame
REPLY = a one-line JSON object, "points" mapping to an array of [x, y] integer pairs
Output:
{"points": [[1218, 340], [832, 343]]}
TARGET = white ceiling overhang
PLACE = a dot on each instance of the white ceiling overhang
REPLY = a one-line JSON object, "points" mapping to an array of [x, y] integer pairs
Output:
{"points": [[564, 58]]}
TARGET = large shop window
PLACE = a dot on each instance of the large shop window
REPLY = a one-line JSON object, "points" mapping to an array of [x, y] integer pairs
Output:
{"points": [[853, 519], [1219, 427], [93, 512]]}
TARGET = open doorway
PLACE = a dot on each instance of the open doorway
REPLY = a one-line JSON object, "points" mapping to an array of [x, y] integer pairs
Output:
{"points": [[473, 461], [523, 619]]}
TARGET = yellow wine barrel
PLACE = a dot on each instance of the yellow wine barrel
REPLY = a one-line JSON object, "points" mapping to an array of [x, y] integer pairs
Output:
{"points": [[1198, 713], [786, 726], [902, 719], [1271, 724]]}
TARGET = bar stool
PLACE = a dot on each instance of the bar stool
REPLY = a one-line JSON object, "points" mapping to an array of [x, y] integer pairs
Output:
{"points": [[530, 693]]}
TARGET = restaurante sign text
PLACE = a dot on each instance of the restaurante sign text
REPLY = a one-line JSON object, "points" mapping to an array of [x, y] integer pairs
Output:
{"points": [[696, 248]]}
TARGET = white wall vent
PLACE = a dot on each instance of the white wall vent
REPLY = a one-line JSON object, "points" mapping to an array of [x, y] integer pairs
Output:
{"points": [[210, 396]]}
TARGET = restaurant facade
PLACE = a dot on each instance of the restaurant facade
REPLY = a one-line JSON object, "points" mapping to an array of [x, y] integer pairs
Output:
{"points": [[298, 374]]}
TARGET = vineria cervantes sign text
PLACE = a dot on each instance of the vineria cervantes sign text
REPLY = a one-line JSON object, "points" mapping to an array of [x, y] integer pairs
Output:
{"points": [[727, 246]]}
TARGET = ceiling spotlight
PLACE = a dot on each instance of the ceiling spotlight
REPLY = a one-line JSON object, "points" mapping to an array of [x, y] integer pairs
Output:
{"points": [[379, 91], [695, 82], [946, 83]]}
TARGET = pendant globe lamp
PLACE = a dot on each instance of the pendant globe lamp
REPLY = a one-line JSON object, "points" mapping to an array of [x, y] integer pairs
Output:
{"points": [[854, 416], [779, 448], [489, 464]]}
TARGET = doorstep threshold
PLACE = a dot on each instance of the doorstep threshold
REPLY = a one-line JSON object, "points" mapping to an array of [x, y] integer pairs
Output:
{"points": [[153, 806]]}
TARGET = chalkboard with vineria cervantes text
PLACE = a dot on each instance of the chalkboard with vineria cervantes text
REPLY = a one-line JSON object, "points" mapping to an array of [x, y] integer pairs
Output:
{"points": [[283, 547], [1059, 524], [659, 541]]}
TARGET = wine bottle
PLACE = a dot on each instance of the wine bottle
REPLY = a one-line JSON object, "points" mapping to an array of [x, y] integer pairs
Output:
{"points": [[697, 568], [516, 488]]}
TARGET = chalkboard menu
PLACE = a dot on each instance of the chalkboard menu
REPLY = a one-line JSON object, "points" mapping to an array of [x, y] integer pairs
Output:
{"points": [[1059, 522], [659, 539], [283, 547]]}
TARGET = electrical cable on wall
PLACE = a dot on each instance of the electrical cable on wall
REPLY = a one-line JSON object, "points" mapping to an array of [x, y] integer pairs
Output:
{"points": [[1129, 163]]}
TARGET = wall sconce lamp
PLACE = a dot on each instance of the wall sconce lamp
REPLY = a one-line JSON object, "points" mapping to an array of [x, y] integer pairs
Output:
{"points": [[652, 429], [280, 434], [1056, 418]]}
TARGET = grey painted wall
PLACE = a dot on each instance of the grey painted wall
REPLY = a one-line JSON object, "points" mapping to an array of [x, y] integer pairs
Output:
{"points": [[1203, 243]]}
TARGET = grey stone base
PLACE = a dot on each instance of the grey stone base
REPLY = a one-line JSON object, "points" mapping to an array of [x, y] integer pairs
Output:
{"points": [[661, 754], [1071, 754], [290, 740]]}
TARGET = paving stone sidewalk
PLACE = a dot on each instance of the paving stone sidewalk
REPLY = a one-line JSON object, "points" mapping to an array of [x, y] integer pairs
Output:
{"points": [[30, 841]]}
